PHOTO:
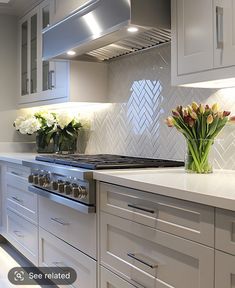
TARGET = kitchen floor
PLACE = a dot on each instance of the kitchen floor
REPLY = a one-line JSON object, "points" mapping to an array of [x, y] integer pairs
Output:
{"points": [[10, 258]]}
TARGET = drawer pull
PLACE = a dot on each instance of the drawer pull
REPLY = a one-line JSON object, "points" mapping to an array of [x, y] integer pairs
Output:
{"points": [[18, 234], [17, 174], [17, 199], [141, 208], [57, 220], [142, 259]]}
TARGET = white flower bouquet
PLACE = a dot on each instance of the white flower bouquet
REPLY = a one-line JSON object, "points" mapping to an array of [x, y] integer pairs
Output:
{"points": [[54, 131]]}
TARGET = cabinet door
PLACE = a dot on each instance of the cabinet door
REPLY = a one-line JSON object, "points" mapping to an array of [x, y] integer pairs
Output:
{"points": [[54, 252], [110, 280], [224, 270], [24, 47], [153, 258], [194, 35], [225, 231], [53, 76], [29, 54], [224, 35], [63, 8]]}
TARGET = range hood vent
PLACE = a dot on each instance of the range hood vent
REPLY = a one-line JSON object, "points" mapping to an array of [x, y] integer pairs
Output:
{"points": [[98, 30]]}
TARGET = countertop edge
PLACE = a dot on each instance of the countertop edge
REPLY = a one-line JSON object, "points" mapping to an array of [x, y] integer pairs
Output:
{"points": [[187, 195]]}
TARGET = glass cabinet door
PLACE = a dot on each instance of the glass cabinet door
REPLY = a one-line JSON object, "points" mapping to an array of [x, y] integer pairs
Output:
{"points": [[46, 74], [24, 59], [33, 53]]}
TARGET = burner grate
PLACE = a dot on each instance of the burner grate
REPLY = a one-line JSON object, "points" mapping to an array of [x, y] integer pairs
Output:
{"points": [[106, 161]]}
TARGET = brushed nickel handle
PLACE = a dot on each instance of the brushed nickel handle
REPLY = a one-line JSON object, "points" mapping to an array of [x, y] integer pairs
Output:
{"points": [[18, 234], [17, 199], [16, 173], [27, 86], [142, 259], [57, 220], [141, 208], [219, 27], [51, 85]]}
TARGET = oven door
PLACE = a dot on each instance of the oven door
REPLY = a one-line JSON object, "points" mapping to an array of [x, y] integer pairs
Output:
{"points": [[62, 200]]}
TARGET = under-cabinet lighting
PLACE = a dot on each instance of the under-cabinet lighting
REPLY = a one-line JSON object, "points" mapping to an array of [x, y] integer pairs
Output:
{"points": [[71, 53], [73, 107], [132, 29], [221, 83]]}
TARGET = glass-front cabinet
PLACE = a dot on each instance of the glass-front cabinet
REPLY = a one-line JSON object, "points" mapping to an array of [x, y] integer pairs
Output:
{"points": [[40, 81]]}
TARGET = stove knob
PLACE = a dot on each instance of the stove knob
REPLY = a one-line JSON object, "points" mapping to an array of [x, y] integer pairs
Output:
{"points": [[61, 187], [75, 192], [41, 181], [54, 185], [83, 192], [30, 178], [67, 189], [35, 179]]}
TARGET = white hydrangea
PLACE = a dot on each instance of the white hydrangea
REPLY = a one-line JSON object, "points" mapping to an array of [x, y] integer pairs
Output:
{"points": [[29, 126], [50, 119], [63, 119], [19, 121]]}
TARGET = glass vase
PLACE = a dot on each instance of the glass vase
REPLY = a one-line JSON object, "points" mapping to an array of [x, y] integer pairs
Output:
{"points": [[199, 156], [44, 143], [65, 144]]}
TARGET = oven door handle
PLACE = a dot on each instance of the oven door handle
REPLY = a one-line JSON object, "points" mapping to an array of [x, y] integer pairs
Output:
{"points": [[62, 200]]}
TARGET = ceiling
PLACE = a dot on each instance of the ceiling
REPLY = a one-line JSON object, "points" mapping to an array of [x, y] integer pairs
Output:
{"points": [[17, 7]]}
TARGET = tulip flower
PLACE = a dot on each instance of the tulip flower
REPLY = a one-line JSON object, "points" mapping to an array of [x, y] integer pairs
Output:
{"points": [[193, 115], [232, 119], [215, 108], [209, 119], [195, 106], [226, 113], [175, 113], [169, 121], [185, 112], [201, 109]]}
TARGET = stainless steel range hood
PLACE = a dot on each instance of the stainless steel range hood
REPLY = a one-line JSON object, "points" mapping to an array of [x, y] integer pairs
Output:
{"points": [[99, 29]]}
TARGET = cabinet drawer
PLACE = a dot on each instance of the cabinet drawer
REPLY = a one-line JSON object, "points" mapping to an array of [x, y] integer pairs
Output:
{"points": [[20, 199], [154, 258], [23, 235], [110, 280], [54, 252], [18, 170], [78, 229], [186, 219], [224, 270], [225, 231]]}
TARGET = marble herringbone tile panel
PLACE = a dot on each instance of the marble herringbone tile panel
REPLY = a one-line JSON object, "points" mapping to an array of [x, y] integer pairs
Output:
{"points": [[142, 97]]}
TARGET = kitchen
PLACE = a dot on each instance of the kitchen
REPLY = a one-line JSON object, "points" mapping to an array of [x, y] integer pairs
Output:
{"points": [[131, 226]]}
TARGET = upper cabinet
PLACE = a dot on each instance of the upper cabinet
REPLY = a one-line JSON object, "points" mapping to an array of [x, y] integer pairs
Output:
{"points": [[63, 8], [203, 43], [38, 79], [50, 82]]}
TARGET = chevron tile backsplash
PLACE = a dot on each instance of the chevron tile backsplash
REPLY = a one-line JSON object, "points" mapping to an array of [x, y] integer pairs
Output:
{"points": [[142, 97]]}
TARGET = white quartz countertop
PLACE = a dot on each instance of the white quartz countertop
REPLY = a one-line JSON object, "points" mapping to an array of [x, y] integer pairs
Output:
{"points": [[216, 189], [17, 158]]}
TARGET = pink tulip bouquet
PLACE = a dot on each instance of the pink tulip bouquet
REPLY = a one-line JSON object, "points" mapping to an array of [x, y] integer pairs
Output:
{"points": [[199, 124]]}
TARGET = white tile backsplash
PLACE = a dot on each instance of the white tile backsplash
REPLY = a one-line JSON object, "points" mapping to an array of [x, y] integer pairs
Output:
{"points": [[142, 97]]}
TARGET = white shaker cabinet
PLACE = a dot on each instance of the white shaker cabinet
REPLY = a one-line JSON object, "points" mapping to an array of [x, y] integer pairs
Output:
{"points": [[224, 270], [194, 35], [203, 43], [40, 81], [224, 38]]}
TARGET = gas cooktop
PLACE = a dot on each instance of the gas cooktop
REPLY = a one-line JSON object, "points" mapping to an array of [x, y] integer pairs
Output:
{"points": [[106, 161]]}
